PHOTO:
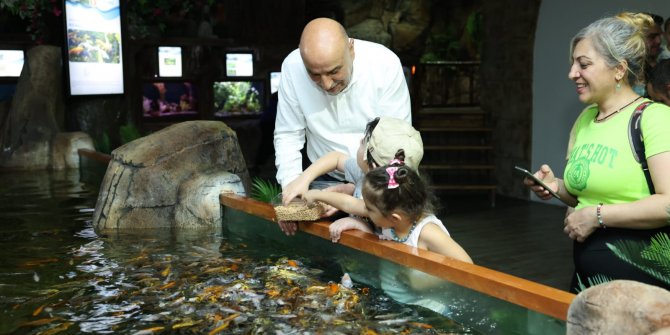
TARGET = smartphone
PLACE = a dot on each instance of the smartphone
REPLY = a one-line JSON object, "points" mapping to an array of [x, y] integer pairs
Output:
{"points": [[537, 181]]}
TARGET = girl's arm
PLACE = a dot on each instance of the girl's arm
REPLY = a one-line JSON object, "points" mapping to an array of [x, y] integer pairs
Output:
{"points": [[336, 228], [329, 162], [436, 240], [341, 201]]}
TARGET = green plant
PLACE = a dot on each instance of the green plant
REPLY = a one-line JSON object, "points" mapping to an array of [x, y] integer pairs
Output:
{"points": [[104, 144], [592, 281], [129, 133], [264, 190], [35, 12], [141, 15], [653, 259], [456, 43]]}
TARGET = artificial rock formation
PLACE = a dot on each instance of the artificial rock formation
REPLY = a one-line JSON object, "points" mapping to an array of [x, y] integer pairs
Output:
{"points": [[620, 307], [65, 149], [171, 178], [36, 112]]}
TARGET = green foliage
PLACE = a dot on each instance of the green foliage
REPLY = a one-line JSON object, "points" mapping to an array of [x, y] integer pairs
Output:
{"points": [[264, 190], [141, 15], [446, 46], [653, 259], [129, 133], [456, 43], [35, 12], [103, 144], [592, 281]]}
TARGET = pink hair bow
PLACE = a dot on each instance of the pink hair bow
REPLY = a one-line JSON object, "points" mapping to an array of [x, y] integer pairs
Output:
{"points": [[396, 161], [391, 171]]}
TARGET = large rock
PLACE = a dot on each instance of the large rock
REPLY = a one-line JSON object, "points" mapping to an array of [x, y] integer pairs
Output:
{"points": [[171, 178], [619, 307], [410, 25], [65, 149], [36, 114], [371, 30]]}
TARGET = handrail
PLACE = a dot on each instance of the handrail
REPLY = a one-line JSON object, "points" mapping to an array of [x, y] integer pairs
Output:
{"points": [[534, 296], [94, 155]]}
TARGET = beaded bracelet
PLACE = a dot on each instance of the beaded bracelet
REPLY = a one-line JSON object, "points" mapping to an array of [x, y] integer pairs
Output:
{"points": [[600, 217]]}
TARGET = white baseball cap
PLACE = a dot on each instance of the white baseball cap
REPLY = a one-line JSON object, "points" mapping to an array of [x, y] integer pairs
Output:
{"points": [[391, 135]]}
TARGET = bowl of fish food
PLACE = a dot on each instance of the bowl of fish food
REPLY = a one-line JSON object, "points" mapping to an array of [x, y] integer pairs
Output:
{"points": [[297, 210]]}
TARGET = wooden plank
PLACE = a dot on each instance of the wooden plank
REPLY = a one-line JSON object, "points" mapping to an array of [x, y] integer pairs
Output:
{"points": [[534, 296], [94, 155]]}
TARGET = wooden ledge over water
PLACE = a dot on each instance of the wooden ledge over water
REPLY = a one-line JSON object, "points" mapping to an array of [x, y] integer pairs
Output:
{"points": [[95, 155], [534, 296]]}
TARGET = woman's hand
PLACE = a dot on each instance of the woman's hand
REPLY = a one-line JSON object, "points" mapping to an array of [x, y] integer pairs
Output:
{"points": [[547, 176], [581, 223]]}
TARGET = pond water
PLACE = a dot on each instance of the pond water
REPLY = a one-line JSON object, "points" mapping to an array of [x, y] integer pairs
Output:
{"points": [[57, 276]]}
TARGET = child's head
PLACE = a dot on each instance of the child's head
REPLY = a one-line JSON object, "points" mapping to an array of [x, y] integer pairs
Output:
{"points": [[384, 136], [396, 188]]}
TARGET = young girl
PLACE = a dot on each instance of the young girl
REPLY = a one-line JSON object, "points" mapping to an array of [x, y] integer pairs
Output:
{"points": [[396, 199], [383, 137]]}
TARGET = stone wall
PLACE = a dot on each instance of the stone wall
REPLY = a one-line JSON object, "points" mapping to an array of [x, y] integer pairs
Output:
{"points": [[506, 85]]}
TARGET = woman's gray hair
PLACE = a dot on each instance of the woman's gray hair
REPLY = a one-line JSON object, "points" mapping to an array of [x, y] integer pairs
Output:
{"points": [[617, 39]]}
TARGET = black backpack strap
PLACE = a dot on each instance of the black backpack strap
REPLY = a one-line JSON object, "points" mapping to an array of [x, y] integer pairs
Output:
{"points": [[636, 139]]}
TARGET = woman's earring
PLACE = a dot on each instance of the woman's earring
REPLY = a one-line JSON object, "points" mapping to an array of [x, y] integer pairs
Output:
{"points": [[618, 86]]}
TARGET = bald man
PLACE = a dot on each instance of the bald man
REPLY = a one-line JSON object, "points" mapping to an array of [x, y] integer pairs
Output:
{"points": [[330, 87]]}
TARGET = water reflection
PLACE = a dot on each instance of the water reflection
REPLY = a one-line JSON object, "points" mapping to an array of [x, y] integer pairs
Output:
{"points": [[58, 277]]}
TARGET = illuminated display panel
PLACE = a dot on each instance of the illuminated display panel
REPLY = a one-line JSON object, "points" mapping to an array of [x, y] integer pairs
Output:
{"points": [[239, 64], [11, 63], [169, 62], [94, 47]]}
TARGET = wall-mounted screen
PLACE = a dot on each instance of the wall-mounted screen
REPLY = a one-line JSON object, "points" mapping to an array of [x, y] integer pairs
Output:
{"points": [[165, 99], [274, 81], [169, 61], [94, 57], [239, 64], [239, 97], [11, 63]]}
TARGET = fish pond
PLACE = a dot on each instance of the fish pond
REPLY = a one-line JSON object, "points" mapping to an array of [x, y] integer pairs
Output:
{"points": [[57, 276]]}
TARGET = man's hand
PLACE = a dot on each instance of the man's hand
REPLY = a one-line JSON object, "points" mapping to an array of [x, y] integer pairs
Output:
{"points": [[288, 227]]}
